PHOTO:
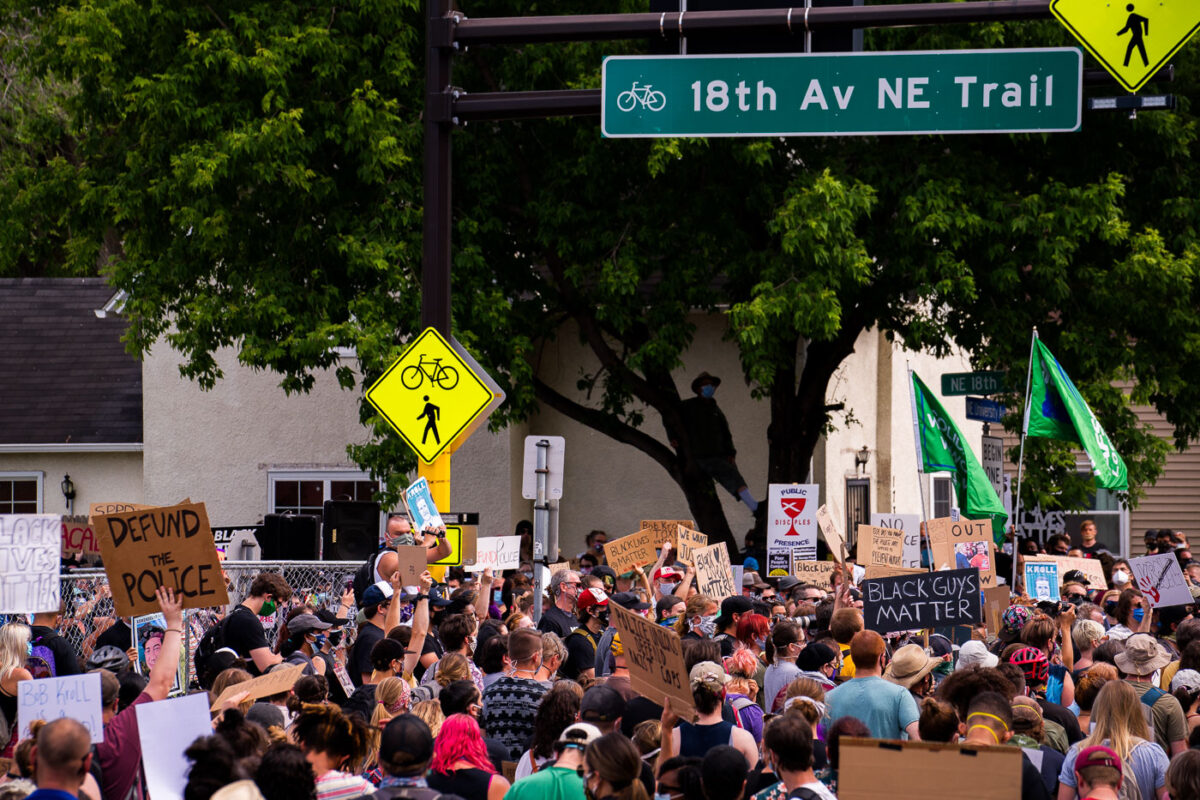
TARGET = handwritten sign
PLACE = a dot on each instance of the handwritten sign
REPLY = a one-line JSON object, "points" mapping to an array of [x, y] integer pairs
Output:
{"points": [[654, 655], [167, 728], [665, 530], [877, 571], [635, 550], [558, 566], [1090, 567], [831, 529], [911, 525], [1042, 578], [871, 769], [792, 517], [412, 563], [1161, 580], [922, 600], [688, 541], [949, 540], [74, 696], [880, 547], [29, 561], [276, 681], [713, 574], [78, 537], [818, 573], [496, 553], [166, 546], [995, 601], [100, 509]]}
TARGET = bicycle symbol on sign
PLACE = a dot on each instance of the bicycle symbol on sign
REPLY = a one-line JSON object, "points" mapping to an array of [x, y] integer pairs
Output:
{"points": [[443, 377], [644, 96]]}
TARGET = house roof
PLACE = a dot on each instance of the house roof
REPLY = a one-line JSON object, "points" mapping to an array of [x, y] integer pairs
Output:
{"points": [[67, 377]]}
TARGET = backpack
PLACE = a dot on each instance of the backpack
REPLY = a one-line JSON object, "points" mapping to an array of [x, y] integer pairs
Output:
{"points": [[40, 661], [739, 704], [1148, 700], [212, 641], [1129, 786], [365, 576]]}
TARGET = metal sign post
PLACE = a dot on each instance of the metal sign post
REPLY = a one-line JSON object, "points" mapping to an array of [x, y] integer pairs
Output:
{"points": [[541, 526]]}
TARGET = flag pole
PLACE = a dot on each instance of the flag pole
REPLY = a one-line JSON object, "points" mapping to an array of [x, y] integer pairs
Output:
{"points": [[912, 400], [1021, 457]]}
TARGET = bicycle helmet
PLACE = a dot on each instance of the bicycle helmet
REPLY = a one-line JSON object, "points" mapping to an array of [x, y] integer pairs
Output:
{"points": [[108, 657], [1033, 663]]}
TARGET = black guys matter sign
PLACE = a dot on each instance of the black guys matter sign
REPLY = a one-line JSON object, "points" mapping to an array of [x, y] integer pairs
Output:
{"points": [[927, 600]]}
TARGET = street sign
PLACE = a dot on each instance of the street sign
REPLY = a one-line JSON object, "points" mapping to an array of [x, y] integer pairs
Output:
{"points": [[982, 409], [844, 94], [434, 394], [954, 383], [555, 457], [992, 450], [1132, 40]]}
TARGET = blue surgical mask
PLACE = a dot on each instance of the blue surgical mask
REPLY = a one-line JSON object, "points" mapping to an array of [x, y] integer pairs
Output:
{"points": [[321, 640], [707, 390], [1139, 614]]}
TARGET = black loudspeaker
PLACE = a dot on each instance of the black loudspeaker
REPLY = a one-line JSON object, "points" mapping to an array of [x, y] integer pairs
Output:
{"points": [[350, 531], [289, 537]]}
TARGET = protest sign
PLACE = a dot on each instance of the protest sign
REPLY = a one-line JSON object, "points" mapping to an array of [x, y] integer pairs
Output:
{"points": [[74, 696], [496, 553], [713, 574], [1091, 568], [166, 729], [922, 600], [686, 541], [78, 537], [165, 546], [100, 509], [635, 550], [874, 769], [412, 563], [792, 518], [880, 547], [963, 543], [818, 573], [1042, 579], [29, 561], [654, 655], [911, 525], [421, 509], [878, 571], [557, 566], [1161, 580], [831, 529], [995, 601], [666, 530], [779, 563], [276, 681], [148, 634]]}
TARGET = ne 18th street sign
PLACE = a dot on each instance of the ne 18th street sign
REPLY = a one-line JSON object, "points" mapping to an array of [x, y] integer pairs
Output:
{"points": [[847, 94], [973, 383]]}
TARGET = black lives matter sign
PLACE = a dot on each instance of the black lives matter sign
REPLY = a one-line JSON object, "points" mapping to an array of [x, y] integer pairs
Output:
{"points": [[927, 600]]}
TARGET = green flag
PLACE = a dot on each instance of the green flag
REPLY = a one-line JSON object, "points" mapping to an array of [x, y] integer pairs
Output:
{"points": [[1058, 411], [943, 449]]}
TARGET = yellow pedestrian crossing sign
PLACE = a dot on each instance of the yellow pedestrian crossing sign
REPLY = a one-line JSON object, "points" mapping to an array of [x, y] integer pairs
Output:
{"points": [[1132, 39], [434, 394]]}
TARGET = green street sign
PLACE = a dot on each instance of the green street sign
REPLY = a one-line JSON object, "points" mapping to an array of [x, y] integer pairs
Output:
{"points": [[844, 94], [973, 383]]}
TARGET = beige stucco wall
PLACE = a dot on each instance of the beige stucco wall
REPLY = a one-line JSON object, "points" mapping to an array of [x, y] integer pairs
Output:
{"points": [[98, 477]]}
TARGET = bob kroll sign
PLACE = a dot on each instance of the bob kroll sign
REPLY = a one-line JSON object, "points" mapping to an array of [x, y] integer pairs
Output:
{"points": [[926, 600]]}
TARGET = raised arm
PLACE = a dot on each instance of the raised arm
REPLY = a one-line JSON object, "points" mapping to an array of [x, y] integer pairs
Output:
{"points": [[485, 595], [420, 625], [162, 674]]}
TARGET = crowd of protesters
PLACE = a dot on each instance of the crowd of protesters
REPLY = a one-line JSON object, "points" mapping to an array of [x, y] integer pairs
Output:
{"points": [[453, 689]]}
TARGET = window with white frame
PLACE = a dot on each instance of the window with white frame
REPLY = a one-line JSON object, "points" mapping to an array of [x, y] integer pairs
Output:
{"points": [[299, 492], [943, 496], [20, 492]]}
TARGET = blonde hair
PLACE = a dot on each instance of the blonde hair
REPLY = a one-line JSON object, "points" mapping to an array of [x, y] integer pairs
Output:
{"points": [[697, 604], [1117, 717], [430, 712], [805, 687], [388, 692], [227, 678], [14, 645], [452, 667]]}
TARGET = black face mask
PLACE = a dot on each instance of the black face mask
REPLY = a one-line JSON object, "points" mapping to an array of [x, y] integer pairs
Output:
{"points": [[603, 617], [1110, 608], [335, 638]]}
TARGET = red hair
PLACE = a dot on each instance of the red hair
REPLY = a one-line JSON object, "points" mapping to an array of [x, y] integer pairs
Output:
{"points": [[460, 740], [752, 626]]}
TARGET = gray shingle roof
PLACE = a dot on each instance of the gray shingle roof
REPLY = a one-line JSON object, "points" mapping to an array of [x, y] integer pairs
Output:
{"points": [[66, 375]]}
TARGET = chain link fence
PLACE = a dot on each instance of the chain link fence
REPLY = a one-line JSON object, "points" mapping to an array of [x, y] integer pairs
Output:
{"points": [[88, 610]]}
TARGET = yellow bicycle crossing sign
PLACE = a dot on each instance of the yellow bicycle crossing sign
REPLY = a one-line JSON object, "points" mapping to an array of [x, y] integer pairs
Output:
{"points": [[434, 394]]}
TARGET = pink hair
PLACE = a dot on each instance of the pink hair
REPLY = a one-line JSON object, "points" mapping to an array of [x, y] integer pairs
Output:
{"points": [[742, 664], [460, 740]]}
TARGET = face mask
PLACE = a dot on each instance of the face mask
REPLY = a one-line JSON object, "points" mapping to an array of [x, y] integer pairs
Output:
{"points": [[1139, 614], [669, 622], [471, 643], [1110, 608], [527, 574], [761, 641], [708, 390], [1120, 576], [603, 617], [586, 570], [707, 625], [661, 796], [268, 608], [666, 588], [321, 640], [335, 638]]}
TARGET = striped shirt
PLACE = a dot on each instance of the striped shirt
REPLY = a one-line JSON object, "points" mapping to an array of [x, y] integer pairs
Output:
{"points": [[334, 785]]}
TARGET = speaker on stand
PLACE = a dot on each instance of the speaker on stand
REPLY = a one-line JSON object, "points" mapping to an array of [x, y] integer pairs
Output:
{"points": [[349, 530], [290, 537]]}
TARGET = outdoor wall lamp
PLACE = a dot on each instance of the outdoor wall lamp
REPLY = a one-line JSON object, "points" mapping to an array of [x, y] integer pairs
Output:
{"points": [[68, 490]]}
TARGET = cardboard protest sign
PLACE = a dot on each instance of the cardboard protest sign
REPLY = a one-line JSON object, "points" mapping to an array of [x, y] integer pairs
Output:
{"points": [[666, 530], [922, 600], [877, 571], [1091, 568], [74, 696], [496, 553], [1161, 580], [100, 509], [421, 509], [557, 566], [29, 561], [818, 573], [654, 655], [412, 563], [167, 728], [686, 541], [911, 525], [635, 550], [875, 769], [831, 529], [274, 682], [880, 547], [995, 601], [963, 543], [713, 574], [165, 546], [792, 517], [1042, 579], [78, 537]]}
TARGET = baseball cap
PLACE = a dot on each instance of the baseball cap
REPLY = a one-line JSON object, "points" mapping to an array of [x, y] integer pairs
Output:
{"points": [[751, 580], [325, 615], [1076, 576], [579, 735], [437, 597], [815, 656], [707, 674], [1097, 756], [788, 582], [974, 653], [266, 715], [303, 623], [601, 704], [667, 574], [406, 745], [591, 597], [377, 593], [1186, 679], [734, 604], [629, 601]]}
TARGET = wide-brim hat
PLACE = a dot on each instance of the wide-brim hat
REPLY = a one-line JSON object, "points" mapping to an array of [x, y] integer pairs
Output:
{"points": [[1142, 656], [910, 664], [704, 377]]}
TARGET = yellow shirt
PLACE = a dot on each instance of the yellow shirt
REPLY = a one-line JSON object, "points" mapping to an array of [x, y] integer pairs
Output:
{"points": [[847, 671]]}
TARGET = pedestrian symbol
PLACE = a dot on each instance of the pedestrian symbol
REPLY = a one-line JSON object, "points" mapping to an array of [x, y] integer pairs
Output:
{"points": [[434, 395], [1122, 39]]}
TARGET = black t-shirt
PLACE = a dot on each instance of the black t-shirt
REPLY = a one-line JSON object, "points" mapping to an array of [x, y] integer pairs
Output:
{"points": [[118, 635], [555, 620], [432, 645], [243, 633], [640, 709], [362, 701], [65, 660], [727, 642], [1032, 787], [581, 653], [359, 661]]}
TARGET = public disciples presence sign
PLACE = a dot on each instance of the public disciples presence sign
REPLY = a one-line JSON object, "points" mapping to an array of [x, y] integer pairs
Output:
{"points": [[792, 519]]}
